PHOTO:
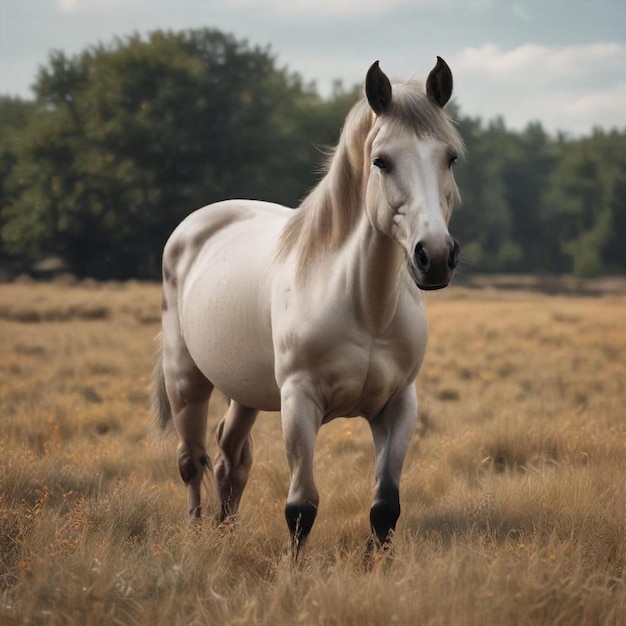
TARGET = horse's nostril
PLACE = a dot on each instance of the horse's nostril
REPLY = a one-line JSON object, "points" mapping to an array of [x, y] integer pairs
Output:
{"points": [[453, 259], [422, 260]]}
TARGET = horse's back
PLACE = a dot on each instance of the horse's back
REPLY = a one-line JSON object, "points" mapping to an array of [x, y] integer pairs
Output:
{"points": [[218, 265], [212, 221]]}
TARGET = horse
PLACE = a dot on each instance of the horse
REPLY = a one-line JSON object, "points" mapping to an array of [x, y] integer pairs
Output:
{"points": [[315, 312]]}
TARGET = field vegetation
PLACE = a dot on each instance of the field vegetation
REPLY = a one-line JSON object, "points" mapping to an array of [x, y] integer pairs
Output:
{"points": [[514, 489]]}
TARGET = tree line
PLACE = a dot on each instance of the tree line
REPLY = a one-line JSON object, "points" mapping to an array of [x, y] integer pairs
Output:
{"points": [[122, 141]]}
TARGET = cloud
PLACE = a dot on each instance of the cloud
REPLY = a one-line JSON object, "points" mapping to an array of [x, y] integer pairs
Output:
{"points": [[545, 61], [97, 6], [573, 87], [325, 8], [347, 8], [603, 102]]}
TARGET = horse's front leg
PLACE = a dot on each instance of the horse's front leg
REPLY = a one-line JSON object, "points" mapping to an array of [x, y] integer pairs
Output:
{"points": [[301, 420], [392, 429]]}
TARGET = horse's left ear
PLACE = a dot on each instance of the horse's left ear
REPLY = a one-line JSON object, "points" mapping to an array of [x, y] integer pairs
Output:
{"points": [[377, 89], [439, 83]]}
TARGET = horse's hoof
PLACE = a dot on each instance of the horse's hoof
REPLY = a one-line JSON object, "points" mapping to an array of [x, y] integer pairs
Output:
{"points": [[228, 523], [290, 553], [376, 553], [195, 516]]}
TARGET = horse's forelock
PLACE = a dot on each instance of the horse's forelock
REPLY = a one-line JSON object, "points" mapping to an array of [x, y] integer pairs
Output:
{"points": [[414, 110]]}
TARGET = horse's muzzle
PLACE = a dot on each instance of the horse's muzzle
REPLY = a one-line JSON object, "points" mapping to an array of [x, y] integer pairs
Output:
{"points": [[432, 266]]}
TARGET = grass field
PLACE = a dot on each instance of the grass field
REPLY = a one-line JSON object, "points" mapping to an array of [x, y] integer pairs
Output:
{"points": [[514, 489]]}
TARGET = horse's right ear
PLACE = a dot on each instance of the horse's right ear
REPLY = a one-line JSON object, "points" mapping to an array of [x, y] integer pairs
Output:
{"points": [[377, 89]]}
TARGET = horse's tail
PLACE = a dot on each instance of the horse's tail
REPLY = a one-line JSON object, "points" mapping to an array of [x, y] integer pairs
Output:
{"points": [[161, 407]]}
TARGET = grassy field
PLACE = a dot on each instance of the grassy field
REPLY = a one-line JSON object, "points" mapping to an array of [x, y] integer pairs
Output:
{"points": [[514, 490]]}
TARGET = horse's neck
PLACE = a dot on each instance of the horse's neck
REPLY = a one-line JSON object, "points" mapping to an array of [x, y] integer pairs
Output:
{"points": [[376, 267]]}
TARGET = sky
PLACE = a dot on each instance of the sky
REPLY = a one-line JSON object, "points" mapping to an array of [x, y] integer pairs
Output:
{"points": [[559, 62]]}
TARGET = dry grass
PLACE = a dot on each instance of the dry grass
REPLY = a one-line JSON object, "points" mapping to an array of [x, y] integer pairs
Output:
{"points": [[514, 492]]}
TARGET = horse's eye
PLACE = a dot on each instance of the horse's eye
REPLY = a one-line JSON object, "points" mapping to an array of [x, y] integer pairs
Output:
{"points": [[381, 164], [452, 160]]}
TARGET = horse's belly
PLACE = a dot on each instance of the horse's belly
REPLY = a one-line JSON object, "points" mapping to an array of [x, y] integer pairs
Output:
{"points": [[233, 352], [225, 317]]}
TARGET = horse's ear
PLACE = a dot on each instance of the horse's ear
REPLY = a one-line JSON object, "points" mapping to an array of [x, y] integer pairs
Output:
{"points": [[439, 83], [377, 89]]}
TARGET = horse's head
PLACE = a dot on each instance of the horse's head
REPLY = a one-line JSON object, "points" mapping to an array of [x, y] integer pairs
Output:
{"points": [[411, 190]]}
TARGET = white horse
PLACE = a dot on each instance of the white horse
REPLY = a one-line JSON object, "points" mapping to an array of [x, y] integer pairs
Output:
{"points": [[316, 312]]}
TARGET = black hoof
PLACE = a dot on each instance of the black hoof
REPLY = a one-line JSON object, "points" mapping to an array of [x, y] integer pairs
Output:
{"points": [[376, 552], [300, 518], [383, 518]]}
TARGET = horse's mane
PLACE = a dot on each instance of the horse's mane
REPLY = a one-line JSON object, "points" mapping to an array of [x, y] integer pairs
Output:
{"points": [[331, 210]]}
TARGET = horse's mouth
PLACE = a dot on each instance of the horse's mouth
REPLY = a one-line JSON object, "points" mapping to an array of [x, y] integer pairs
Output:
{"points": [[427, 287], [422, 282]]}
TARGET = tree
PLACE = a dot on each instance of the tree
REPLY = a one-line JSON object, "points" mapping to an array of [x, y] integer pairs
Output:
{"points": [[483, 223], [587, 197], [15, 114], [127, 139], [526, 175]]}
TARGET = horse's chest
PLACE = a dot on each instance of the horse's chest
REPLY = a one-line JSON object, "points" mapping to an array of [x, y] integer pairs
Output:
{"points": [[358, 375], [374, 376], [351, 368]]}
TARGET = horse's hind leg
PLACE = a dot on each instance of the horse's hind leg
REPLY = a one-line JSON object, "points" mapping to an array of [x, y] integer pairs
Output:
{"points": [[233, 464], [188, 392]]}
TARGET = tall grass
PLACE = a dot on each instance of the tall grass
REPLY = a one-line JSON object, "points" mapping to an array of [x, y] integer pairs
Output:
{"points": [[513, 494]]}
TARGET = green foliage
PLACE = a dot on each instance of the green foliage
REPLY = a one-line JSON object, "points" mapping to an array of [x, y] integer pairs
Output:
{"points": [[126, 140], [484, 218], [14, 116], [588, 202], [123, 141], [535, 204]]}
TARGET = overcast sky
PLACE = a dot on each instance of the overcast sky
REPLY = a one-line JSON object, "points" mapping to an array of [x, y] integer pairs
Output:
{"points": [[562, 62]]}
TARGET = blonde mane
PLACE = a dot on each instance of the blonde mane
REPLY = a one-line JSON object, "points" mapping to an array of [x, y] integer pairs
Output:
{"points": [[330, 212]]}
